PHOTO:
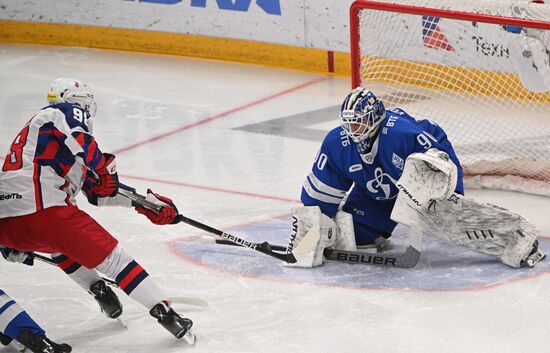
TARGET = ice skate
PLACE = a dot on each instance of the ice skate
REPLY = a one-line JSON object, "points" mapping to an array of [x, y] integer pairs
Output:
{"points": [[41, 344], [5, 340], [179, 326], [534, 257], [107, 299]]}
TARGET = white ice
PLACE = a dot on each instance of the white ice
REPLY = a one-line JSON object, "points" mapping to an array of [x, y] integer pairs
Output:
{"points": [[174, 124]]}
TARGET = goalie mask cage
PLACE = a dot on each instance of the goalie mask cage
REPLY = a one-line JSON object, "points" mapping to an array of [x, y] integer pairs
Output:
{"points": [[480, 69]]}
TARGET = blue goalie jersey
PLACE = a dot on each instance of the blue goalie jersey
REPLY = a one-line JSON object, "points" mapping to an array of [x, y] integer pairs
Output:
{"points": [[338, 166]]}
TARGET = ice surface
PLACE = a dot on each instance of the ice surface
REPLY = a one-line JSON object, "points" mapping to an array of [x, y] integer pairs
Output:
{"points": [[176, 126]]}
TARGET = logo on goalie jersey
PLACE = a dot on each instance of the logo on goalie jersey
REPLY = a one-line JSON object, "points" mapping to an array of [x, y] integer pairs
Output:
{"points": [[381, 182], [397, 161]]}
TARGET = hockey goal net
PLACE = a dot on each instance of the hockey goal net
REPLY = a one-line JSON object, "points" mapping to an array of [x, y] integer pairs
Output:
{"points": [[480, 69]]}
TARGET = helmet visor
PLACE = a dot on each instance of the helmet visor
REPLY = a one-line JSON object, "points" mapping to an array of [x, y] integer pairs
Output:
{"points": [[356, 125]]}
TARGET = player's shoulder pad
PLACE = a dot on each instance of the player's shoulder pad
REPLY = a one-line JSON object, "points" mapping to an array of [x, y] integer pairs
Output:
{"points": [[75, 116]]}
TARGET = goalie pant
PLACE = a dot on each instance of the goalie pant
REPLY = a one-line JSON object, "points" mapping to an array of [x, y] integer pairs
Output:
{"points": [[81, 248]]}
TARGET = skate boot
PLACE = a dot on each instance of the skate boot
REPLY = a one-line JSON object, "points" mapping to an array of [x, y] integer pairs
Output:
{"points": [[5, 340], [107, 299], [534, 257], [179, 326], [41, 344]]}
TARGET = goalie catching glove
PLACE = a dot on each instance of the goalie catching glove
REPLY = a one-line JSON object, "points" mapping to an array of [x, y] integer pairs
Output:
{"points": [[428, 176], [166, 215]]}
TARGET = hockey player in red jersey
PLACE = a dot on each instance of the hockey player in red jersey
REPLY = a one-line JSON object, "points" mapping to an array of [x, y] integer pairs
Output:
{"points": [[54, 157]]}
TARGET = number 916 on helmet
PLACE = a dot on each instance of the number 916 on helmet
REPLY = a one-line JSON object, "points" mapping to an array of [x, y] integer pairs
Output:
{"points": [[361, 114]]}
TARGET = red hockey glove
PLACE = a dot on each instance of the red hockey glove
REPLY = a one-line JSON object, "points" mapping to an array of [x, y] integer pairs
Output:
{"points": [[108, 177], [167, 213]]}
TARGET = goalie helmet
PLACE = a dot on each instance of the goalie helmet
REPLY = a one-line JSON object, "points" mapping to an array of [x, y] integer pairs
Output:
{"points": [[361, 114], [69, 90]]}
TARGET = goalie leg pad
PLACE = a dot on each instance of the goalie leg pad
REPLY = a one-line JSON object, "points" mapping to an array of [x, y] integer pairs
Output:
{"points": [[425, 204], [312, 233], [485, 228]]}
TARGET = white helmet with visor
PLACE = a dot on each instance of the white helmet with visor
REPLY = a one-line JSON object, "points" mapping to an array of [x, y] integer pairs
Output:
{"points": [[69, 90]]}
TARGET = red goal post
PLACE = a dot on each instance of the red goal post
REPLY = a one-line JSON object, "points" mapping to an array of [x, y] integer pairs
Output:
{"points": [[480, 69]]}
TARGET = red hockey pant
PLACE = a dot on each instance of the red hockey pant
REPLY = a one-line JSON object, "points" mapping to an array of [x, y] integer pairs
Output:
{"points": [[59, 229]]}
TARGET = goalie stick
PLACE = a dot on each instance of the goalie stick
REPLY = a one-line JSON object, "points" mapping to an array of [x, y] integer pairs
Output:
{"points": [[227, 242], [407, 259], [264, 247], [110, 282]]}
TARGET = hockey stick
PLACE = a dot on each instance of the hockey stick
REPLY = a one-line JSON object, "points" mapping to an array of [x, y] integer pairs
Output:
{"points": [[227, 242], [407, 259], [110, 282], [264, 247]]}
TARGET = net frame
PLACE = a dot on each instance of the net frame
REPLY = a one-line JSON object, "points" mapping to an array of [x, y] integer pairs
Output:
{"points": [[481, 174]]}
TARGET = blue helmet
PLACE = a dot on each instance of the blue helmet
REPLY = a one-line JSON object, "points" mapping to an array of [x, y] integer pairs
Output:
{"points": [[361, 114]]}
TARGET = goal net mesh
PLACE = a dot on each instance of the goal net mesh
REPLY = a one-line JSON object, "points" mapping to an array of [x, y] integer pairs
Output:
{"points": [[487, 84]]}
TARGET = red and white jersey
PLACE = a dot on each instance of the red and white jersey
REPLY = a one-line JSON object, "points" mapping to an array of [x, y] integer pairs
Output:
{"points": [[48, 161]]}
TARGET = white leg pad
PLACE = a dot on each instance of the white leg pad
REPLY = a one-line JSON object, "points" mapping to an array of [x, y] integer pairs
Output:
{"points": [[423, 204], [312, 233], [480, 227]]}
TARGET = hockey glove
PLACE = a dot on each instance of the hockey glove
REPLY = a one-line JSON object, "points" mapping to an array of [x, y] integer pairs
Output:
{"points": [[167, 213], [108, 177], [13, 255]]}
